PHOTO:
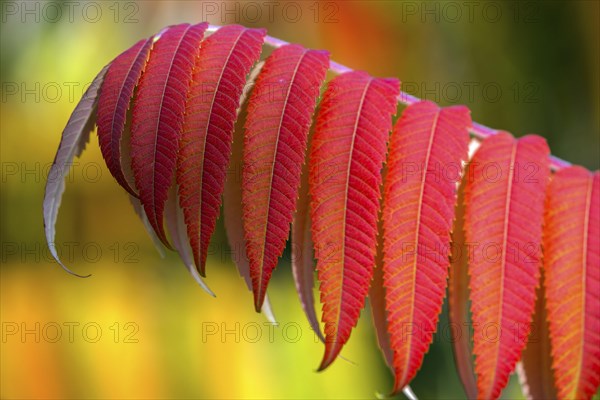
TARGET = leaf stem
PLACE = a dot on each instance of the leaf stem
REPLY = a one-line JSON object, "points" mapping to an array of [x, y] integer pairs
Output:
{"points": [[478, 131]]}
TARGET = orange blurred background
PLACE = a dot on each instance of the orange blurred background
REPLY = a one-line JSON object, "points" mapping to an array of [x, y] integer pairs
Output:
{"points": [[140, 327]]}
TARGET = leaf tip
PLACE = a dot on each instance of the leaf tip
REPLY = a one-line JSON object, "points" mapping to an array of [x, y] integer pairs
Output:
{"points": [[54, 254], [71, 272], [259, 298], [331, 352]]}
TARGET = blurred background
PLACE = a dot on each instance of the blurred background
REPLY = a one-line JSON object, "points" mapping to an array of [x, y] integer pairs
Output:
{"points": [[140, 327]]}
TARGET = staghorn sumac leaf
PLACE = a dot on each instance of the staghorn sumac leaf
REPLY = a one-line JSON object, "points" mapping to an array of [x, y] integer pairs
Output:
{"points": [[535, 367], [158, 117], [279, 117], [344, 185], [427, 148], [72, 142], [232, 198], [572, 272], [116, 94], [378, 311], [225, 59], [504, 202], [129, 177], [347, 153]]}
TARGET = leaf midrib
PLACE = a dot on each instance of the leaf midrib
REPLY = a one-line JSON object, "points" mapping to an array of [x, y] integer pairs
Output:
{"points": [[284, 108], [507, 208], [432, 135], [350, 156], [212, 104], [586, 222], [162, 98]]}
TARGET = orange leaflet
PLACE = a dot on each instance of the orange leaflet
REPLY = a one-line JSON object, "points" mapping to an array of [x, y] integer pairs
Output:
{"points": [[279, 116], [225, 60], [427, 149], [572, 267], [346, 157], [504, 201]]}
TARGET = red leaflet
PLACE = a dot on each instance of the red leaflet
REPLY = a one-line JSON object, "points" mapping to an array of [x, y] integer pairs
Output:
{"points": [[504, 200], [279, 116], [232, 197], [205, 147], [572, 267], [346, 157], [115, 96], [158, 117], [427, 149]]}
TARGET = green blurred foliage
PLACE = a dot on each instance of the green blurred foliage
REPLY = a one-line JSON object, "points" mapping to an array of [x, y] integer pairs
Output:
{"points": [[520, 66]]}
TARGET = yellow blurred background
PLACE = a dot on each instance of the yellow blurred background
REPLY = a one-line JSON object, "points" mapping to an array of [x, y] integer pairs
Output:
{"points": [[140, 327]]}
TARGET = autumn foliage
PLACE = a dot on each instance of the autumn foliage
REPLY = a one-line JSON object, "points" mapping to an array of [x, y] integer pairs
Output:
{"points": [[376, 203]]}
